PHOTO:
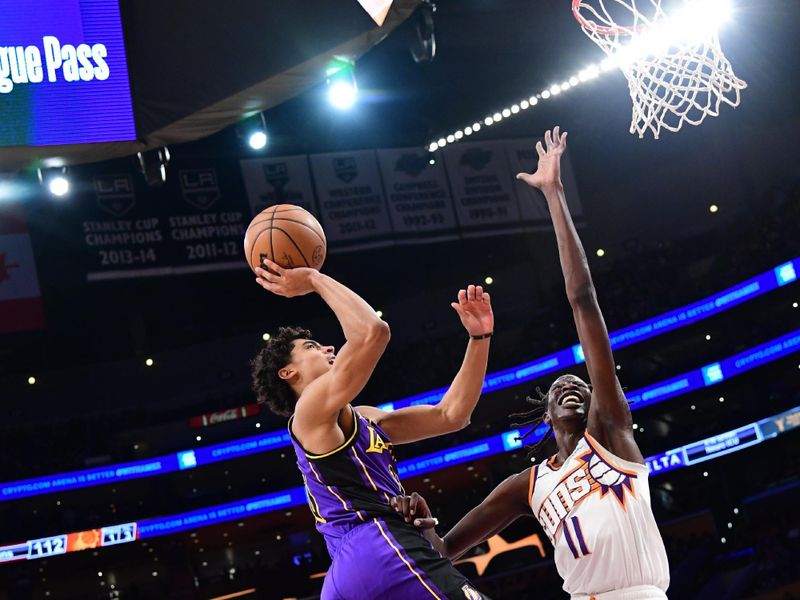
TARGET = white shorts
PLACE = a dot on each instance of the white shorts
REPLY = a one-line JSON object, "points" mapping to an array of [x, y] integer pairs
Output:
{"points": [[639, 592]]}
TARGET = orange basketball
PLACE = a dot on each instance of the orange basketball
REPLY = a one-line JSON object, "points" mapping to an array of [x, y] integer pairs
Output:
{"points": [[286, 234]]}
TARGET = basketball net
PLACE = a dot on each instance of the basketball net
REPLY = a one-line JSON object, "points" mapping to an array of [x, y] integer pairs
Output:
{"points": [[676, 70]]}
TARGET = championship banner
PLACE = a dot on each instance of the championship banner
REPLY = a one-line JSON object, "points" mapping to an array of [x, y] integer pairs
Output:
{"points": [[418, 194], [208, 228], [20, 299], [282, 180], [129, 230], [122, 233], [351, 202], [483, 187], [522, 157]]}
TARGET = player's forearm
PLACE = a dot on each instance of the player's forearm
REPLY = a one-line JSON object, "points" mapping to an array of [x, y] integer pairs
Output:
{"points": [[574, 265], [437, 542], [461, 398], [358, 319], [442, 545]]}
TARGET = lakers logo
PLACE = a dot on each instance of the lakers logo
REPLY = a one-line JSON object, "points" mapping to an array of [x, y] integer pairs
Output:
{"points": [[376, 443]]}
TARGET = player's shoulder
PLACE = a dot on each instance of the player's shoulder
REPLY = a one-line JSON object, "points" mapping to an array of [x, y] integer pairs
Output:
{"points": [[513, 492], [370, 413], [515, 486]]}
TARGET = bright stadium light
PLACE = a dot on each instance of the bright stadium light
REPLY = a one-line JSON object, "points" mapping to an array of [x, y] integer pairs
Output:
{"points": [[342, 94], [253, 131], [59, 186], [257, 140], [55, 180], [342, 86], [689, 25]]}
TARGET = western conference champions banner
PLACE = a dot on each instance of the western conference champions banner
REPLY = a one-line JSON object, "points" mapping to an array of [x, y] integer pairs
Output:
{"points": [[350, 198]]}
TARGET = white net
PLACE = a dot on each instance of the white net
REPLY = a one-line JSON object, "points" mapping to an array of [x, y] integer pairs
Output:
{"points": [[676, 70]]}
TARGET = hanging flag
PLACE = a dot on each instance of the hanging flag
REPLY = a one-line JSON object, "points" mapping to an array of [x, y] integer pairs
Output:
{"points": [[377, 9], [20, 300]]}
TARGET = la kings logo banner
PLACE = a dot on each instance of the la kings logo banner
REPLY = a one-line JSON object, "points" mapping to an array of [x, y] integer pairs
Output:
{"points": [[282, 180], [345, 168], [115, 194], [277, 175], [199, 187]]}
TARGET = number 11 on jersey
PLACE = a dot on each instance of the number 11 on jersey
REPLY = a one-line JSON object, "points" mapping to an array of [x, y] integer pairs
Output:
{"points": [[580, 549]]}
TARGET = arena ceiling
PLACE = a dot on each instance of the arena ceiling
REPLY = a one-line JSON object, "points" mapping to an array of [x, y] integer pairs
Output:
{"points": [[196, 66]]}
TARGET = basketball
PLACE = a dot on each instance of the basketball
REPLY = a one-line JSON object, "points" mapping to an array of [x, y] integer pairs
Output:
{"points": [[286, 234]]}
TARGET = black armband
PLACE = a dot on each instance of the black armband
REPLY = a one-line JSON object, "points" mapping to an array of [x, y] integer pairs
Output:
{"points": [[482, 337]]}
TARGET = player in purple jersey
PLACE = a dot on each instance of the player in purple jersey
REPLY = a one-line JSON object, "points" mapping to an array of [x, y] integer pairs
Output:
{"points": [[345, 454]]}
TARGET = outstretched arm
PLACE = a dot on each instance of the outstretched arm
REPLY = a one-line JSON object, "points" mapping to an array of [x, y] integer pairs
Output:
{"points": [[366, 334], [507, 502], [415, 423], [609, 415]]}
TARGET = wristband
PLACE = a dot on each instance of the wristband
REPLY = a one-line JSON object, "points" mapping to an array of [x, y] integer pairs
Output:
{"points": [[482, 337]]}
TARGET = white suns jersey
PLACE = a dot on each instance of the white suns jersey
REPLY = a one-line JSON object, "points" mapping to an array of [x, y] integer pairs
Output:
{"points": [[596, 511]]}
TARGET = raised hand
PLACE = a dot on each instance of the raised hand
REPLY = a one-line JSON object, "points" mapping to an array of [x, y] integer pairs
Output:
{"points": [[285, 282], [474, 308], [548, 172], [414, 508]]}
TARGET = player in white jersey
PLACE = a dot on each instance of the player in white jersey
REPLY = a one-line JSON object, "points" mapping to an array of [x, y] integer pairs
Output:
{"points": [[592, 497]]}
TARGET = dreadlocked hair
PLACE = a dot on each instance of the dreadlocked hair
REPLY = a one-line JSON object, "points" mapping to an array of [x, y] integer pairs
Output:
{"points": [[533, 419], [270, 389]]}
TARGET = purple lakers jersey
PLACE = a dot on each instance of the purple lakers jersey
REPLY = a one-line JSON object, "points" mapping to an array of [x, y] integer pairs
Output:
{"points": [[352, 484]]}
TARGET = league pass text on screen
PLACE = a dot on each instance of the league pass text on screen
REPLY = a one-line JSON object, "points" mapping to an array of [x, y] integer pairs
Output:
{"points": [[62, 62], [63, 74]]}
